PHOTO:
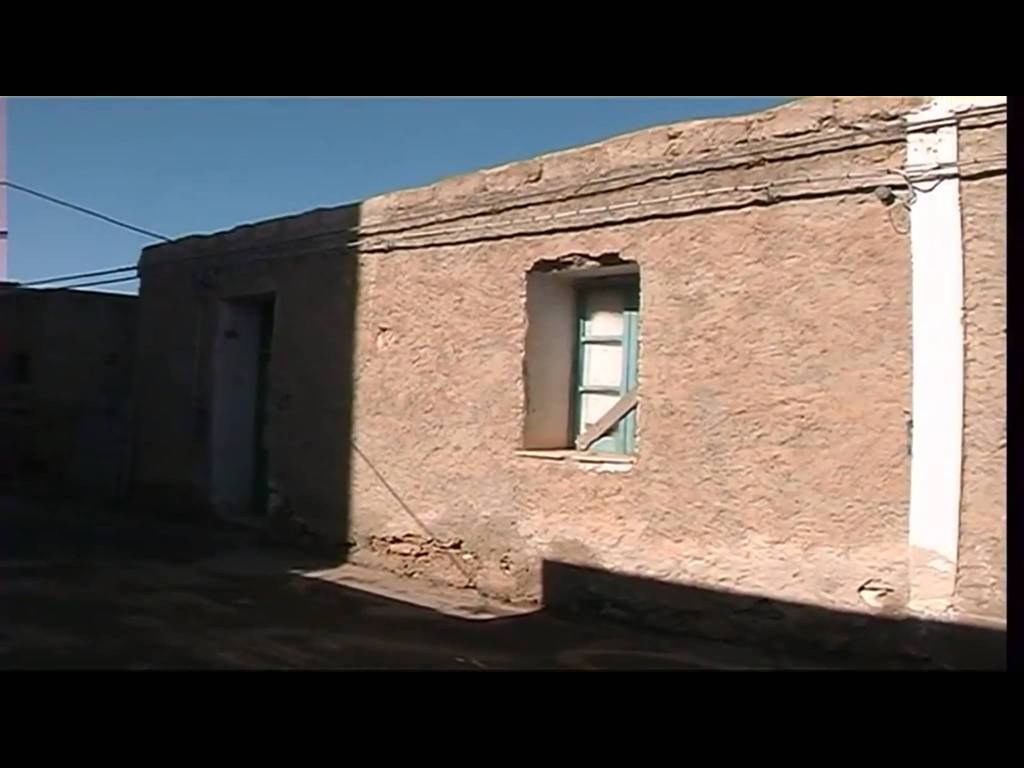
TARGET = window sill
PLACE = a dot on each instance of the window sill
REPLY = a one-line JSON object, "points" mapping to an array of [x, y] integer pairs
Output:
{"points": [[581, 457]]}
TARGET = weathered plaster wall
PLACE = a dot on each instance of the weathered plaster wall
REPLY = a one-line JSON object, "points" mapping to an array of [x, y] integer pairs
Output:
{"points": [[981, 577], [771, 432], [774, 379], [68, 423], [774, 362]]}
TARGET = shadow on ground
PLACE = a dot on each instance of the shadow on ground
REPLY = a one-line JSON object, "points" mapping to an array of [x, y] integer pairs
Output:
{"points": [[774, 626], [77, 592]]}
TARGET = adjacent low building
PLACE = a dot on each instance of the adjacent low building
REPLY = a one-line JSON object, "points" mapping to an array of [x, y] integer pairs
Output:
{"points": [[761, 355], [66, 365]]}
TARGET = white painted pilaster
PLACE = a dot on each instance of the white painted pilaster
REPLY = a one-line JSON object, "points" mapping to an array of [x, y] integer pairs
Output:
{"points": [[938, 350]]}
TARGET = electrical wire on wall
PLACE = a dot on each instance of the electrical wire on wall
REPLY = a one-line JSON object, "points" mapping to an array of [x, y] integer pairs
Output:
{"points": [[757, 194], [883, 177], [368, 233], [895, 132]]}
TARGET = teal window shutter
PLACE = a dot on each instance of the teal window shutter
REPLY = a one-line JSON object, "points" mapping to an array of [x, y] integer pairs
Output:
{"points": [[606, 359]]}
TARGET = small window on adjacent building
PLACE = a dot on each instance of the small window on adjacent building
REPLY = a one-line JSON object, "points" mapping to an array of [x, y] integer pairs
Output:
{"points": [[581, 358]]}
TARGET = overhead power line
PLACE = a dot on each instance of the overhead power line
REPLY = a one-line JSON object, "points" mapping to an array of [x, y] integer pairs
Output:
{"points": [[83, 209], [7, 291], [77, 276], [80, 276], [101, 282]]}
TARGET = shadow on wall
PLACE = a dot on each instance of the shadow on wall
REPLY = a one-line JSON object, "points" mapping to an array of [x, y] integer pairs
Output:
{"points": [[304, 453], [245, 377], [65, 390], [772, 625], [276, 441]]}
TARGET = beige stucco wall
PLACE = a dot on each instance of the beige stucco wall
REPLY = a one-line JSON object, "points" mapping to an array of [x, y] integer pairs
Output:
{"points": [[773, 381], [981, 576], [774, 361], [774, 378]]}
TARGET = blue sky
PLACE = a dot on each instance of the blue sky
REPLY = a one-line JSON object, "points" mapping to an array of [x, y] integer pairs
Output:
{"points": [[178, 166]]}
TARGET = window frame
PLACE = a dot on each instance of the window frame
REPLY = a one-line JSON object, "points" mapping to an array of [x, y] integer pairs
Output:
{"points": [[622, 439]]}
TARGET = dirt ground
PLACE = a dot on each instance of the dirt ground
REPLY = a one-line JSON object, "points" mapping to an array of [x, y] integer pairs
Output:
{"points": [[82, 593]]}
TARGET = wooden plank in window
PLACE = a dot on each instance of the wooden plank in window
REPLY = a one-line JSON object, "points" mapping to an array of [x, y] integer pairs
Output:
{"points": [[608, 421]]}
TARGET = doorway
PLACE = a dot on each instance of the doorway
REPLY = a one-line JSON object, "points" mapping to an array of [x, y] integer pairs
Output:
{"points": [[241, 365]]}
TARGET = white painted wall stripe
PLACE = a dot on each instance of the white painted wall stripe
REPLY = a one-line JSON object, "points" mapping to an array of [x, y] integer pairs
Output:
{"points": [[936, 248], [936, 245]]}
